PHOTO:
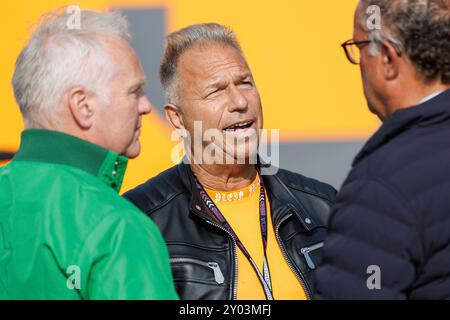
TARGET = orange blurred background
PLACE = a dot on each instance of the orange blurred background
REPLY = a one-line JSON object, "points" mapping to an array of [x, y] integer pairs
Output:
{"points": [[309, 90]]}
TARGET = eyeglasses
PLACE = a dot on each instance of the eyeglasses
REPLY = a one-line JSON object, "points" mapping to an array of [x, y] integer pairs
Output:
{"points": [[352, 50]]}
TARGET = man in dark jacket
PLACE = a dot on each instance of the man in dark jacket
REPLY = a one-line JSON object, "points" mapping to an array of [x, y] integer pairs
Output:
{"points": [[234, 231], [389, 232]]}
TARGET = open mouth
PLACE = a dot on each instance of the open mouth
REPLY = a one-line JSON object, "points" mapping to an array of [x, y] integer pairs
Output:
{"points": [[240, 126]]}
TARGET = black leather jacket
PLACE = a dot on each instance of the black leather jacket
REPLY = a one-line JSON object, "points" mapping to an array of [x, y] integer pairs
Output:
{"points": [[203, 255]]}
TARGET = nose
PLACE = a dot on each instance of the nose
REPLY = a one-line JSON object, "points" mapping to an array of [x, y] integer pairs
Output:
{"points": [[145, 105], [238, 101]]}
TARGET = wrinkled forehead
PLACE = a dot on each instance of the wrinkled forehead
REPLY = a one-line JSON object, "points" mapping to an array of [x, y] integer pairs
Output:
{"points": [[211, 62]]}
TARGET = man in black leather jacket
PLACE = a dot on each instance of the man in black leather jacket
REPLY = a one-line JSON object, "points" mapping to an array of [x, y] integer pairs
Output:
{"points": [[208, 211]]}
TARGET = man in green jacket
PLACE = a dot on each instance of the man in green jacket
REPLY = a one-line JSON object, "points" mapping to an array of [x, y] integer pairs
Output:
{"points": [[64, 231]]}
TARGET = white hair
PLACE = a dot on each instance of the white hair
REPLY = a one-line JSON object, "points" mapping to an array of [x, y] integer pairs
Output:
{"points": [[59, 57]]}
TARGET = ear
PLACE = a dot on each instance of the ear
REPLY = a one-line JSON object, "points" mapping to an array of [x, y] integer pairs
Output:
{"points": [[174, 115], [80, 107], [391, 61]]}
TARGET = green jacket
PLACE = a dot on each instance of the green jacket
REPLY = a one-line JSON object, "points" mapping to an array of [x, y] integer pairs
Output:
{"points": [[66, 234]]}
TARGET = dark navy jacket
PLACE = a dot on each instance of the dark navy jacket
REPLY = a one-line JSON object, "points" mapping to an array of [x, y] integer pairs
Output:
{"points": [[392, 214]]}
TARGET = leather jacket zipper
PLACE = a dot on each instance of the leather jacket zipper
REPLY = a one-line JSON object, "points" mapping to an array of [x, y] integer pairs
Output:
{"points": [[218, 275], [299, 276], [234, 250], [305, 251], [234, 255]]}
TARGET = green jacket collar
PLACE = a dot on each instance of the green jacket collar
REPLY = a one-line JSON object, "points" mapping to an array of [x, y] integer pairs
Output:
{"points": [[60, 148]]}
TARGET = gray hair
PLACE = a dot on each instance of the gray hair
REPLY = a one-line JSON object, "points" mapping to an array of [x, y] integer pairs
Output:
{"points": [[59, 57], [180, 41], [421, 28], [377, 36]]}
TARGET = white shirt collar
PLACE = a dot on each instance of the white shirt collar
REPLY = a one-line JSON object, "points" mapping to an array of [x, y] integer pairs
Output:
{"points": [[431, 96]]}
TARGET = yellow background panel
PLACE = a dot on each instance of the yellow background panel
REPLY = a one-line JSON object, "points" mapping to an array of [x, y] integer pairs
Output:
{"points": [[309, 90]]}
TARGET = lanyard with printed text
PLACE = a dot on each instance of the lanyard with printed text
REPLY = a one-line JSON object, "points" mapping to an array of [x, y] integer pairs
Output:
{"points": [[264, 278]]}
